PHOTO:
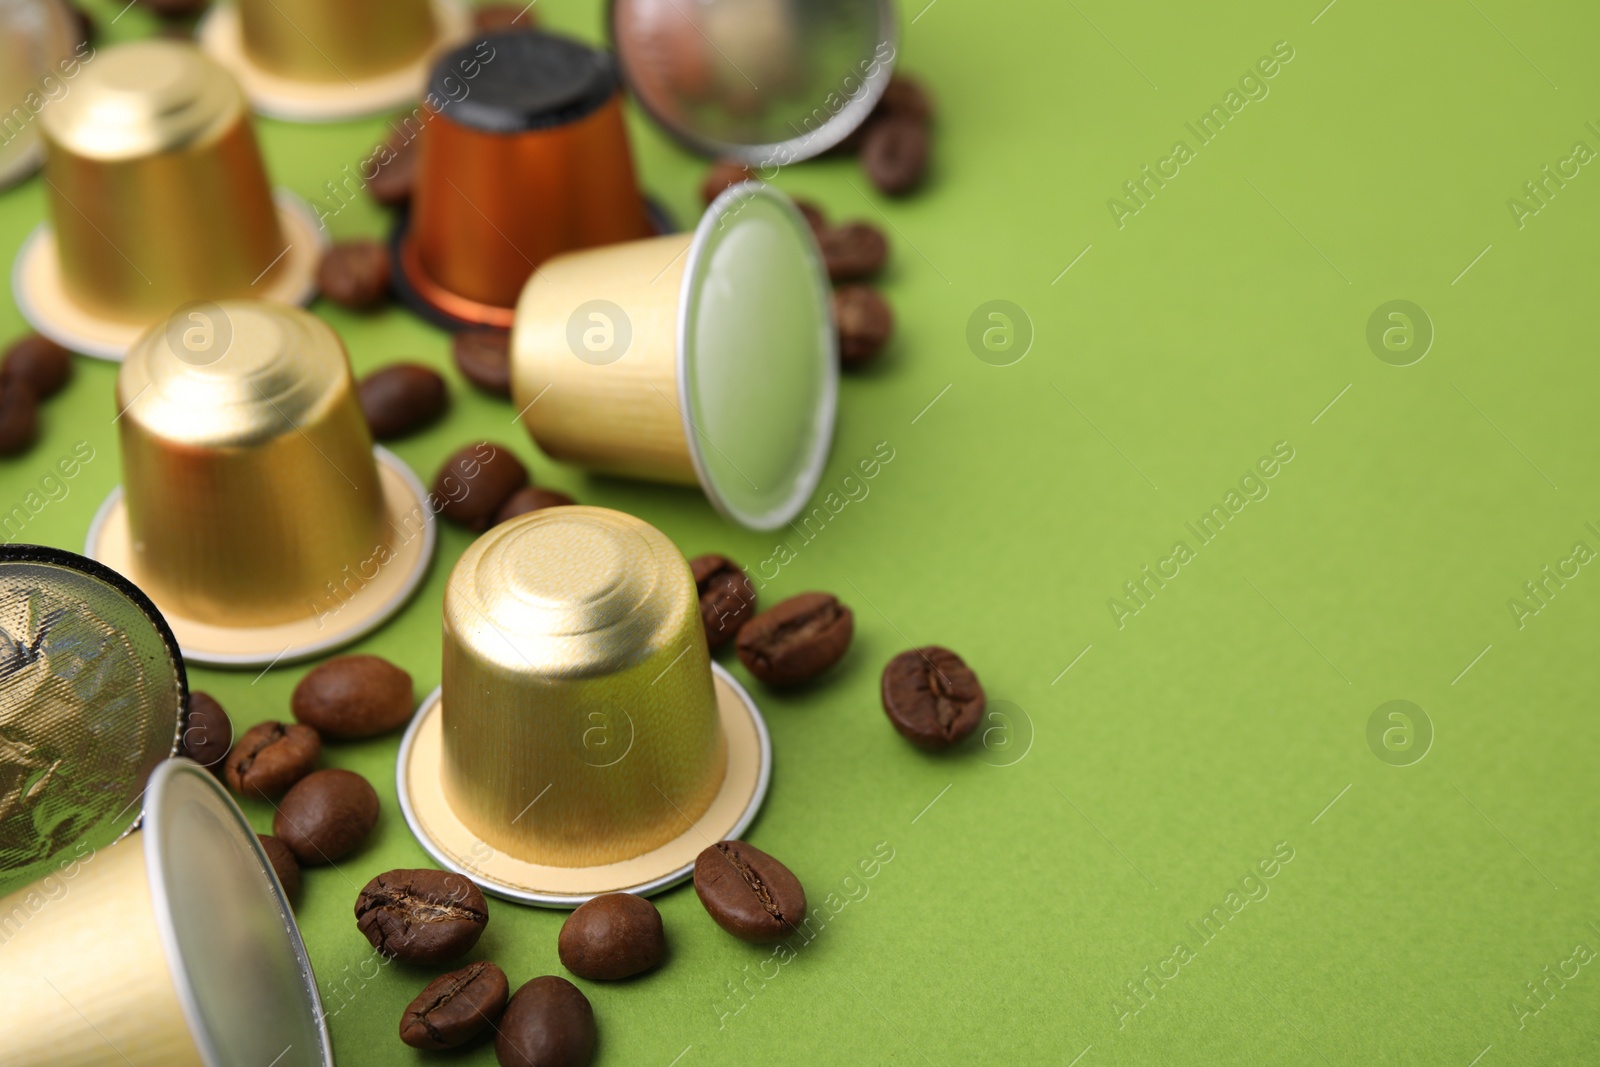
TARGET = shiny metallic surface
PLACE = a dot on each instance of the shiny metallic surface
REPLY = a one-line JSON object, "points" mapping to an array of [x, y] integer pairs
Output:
{"points": [[247, 465], [313, 40], [157, 191], [769, 82], [36, 54], [92, 697], [575, 673]]}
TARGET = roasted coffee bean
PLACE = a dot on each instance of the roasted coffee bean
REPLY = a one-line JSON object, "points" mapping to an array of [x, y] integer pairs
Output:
{"points": [[814, 216], [796, 640], [208, 734], [326, 815], [894, 153], [355, 274], [748, 893], [271, 757], [727, 599], [493, 18], [531, 498], [548, 1023], [455, 1008], [616, 935], [853, 251], [474, 483], [905, 97], [402, 398], [351, 697], [724, 174], [932, 697], [421, 916], [39, 361], [394, 166], [284, 865], [484, 358], [864, 322], [19, 417]]}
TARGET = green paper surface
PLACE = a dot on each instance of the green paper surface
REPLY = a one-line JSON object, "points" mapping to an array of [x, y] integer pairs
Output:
{"points": [[1153, 753]]}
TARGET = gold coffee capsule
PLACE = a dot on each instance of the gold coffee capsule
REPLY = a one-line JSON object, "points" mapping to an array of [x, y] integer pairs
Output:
{"points": [[707, 357], [157, 197], [173, 947], [255, 510], [314, 61], [36, 63], [581, 741]]}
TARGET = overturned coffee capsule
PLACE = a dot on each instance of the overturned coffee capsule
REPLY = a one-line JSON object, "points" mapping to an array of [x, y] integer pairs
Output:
{"points": [[157, 196], [766, 82], [313, 61], [173, 947], [582, 741], [527, 159], [705, 358], [254, 508], [37, 59]]}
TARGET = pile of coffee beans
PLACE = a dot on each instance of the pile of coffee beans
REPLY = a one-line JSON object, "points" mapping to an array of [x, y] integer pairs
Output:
{"points": [[33, 369]]}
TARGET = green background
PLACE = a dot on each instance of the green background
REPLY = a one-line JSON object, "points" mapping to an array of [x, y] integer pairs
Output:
{"points": [[1040, 869]]}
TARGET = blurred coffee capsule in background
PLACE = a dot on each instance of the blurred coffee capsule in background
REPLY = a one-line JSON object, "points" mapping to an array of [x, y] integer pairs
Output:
{"points": [[92, 698], [174, 947], [254, 508], [582, 741], [525, 160], [315, 61], [37, 60], [704, 358], [767, 82], [157, 196]]}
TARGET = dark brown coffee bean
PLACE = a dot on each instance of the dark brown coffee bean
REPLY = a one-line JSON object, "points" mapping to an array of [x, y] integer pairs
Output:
{"points": [[727, 599], [724, 174], [39, 361], [394, 166], [853, 251], [932, 697], [355, 274], [796, 640], [905, 97], [894, 153], [402, 398], [19, 417], [484, 358], [548, 1023], [814, 216], [616, 935], [271, 757], [864, 322], [421, 916], [351, 697], [455, 1008], [474, 483], [284, 865], [208, 734], [531, 498], [326, 815], [748, 893], [493, 18]]}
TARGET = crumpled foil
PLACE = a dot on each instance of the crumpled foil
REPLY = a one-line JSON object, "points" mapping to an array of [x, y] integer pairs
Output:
{"points": [[91, 700]]}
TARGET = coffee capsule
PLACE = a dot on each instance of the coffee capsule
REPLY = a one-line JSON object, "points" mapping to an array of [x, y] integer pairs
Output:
{"points": [[92, 699], [157, 197], [254, 508], [582, 741], [525, 160], [36, 62], [174, 947], [314, 61], [707, 358], [767, 82]]}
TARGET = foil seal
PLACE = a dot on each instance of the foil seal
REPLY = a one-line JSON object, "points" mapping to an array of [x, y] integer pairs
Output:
{"points": [[92, 698]]}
